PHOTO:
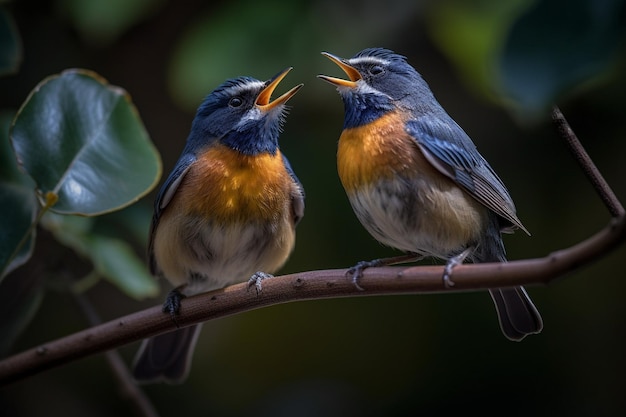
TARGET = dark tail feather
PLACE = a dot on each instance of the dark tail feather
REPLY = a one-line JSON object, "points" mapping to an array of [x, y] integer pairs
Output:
{"points": [[517, 314], [166, 357]]}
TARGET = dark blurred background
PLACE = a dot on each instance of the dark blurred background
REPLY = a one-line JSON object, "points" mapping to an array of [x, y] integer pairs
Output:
{"points": [[378, 356]]}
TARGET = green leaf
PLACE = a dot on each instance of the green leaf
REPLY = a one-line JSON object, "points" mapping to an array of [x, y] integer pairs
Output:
{"points": [[10, 44], [113, 258], [116, 261], [556, 46], [19, 206], [134, 221], [71, 231], [83, 143]]}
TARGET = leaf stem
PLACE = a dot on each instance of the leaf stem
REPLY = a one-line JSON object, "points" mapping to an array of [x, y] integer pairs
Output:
{"points": [[85, 283]]}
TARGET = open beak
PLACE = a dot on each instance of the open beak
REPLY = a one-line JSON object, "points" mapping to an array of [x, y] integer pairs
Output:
{"points": [[350, 71], [263, 100]]}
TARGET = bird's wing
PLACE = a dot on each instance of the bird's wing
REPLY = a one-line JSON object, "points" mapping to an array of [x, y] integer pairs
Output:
{"points": [[169, 187], [448, 148], [167, 191], [297, 197]]}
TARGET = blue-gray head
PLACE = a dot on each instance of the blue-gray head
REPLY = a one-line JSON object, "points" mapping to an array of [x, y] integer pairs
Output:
{"points": [[379, 81], [239, 114]]}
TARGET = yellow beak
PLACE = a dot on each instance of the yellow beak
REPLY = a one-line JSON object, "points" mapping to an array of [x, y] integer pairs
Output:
{"points": [[350, 71], [263, 100]]}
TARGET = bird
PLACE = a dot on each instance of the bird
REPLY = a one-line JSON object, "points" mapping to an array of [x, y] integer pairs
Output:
{"points": [[226, 213], [417, 182]]}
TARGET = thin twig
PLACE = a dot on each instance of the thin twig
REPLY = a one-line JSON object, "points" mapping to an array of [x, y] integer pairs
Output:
{"points": [[586, 163], [129, 389]]}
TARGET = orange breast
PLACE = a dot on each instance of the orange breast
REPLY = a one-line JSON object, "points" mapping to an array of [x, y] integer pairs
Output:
{"points": [[377, 151], [400, 198], [227, 186]]}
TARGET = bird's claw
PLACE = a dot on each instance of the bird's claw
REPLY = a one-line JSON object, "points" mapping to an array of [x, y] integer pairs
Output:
{"points": [[451, 264], [256, 279], [447, 275], [172, 304], [357, 271]]}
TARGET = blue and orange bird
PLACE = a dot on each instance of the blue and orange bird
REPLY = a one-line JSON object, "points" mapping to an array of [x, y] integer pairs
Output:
{"points": [[416, 181], [226, 213]]}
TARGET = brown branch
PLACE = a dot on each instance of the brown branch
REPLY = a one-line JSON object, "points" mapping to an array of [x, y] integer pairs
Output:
{"points": [[309, 286], [333, 284]]}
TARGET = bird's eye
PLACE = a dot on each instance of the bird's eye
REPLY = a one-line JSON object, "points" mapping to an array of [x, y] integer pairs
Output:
{"points": [[235, 102], [376, 70]]}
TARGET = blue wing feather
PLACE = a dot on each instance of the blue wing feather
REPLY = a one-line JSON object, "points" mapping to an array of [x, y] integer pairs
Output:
{"points": [[167, 191], [451, 151], [169, 187], [297, 204]]}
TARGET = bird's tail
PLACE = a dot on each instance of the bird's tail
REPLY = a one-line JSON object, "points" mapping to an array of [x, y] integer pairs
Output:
{"points": [[166, 357], [517, 314]]}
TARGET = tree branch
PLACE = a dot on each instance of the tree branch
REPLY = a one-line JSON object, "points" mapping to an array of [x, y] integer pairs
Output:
{"points": [[333, 284], [310, 286]]}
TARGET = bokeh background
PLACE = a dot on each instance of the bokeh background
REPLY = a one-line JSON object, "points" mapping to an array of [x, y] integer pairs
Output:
{"points": [[379, 356]]}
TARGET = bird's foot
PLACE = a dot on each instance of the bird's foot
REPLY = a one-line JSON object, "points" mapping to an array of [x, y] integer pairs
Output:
{"points": [[172, 303], [447, 274], [451, 264], [357, 271], [256, 279]]}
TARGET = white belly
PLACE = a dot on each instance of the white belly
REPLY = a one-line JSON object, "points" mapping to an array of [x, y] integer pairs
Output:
{"points": [[207, 257], [417, 216]]}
